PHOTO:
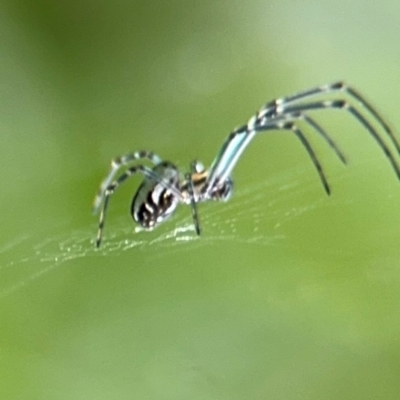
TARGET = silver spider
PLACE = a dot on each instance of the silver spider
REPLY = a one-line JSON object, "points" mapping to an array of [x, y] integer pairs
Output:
{"points": [[164, 187]]}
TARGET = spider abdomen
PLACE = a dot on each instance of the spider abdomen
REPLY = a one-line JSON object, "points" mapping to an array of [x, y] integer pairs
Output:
{"points": [[153, 202]]}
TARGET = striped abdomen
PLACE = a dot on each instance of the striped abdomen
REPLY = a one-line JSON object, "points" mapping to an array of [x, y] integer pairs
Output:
{"points": [[153, 202]]}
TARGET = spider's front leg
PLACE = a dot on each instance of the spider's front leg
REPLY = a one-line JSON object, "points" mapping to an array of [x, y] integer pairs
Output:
{"points": [[296, 104], [346, 106]]}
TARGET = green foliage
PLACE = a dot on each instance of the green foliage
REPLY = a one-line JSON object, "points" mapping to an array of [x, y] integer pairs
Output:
{"points": [[289, 294]]}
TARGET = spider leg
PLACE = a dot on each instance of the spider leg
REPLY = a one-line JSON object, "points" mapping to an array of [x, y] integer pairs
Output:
{"points": [[344, 105], [238, 140], [227, 157], [116, 164], [274, 106], [193, 203], [141, 169], [318, 128], [356, 95], [289, 125], [325, 135], [292, 108]]}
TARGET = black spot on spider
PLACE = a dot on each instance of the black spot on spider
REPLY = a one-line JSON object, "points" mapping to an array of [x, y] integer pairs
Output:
{"points": [[165, 164], [337, 85], [143, 216]]}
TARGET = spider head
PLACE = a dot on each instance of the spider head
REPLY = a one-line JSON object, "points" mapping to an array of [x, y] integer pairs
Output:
{"points": [[222, 191]]}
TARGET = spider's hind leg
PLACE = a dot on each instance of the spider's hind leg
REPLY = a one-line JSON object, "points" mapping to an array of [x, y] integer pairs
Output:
{"points": [[141, 169], [116, 164]]}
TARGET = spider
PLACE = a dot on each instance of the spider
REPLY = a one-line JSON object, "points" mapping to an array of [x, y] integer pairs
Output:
{"points": [[164, 187]]}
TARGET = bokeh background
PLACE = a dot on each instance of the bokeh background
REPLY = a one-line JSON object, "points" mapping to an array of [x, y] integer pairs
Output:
{"points": [[289, 293]]}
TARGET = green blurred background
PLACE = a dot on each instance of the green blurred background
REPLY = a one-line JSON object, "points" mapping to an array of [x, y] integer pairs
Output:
{"points": [[288, 294]]}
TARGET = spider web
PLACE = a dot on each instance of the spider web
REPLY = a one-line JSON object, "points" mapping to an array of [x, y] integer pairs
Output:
{"points": [[263, 219]]}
